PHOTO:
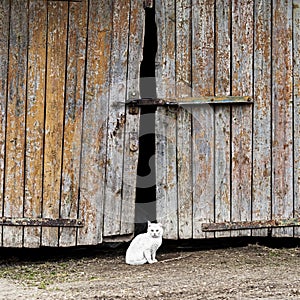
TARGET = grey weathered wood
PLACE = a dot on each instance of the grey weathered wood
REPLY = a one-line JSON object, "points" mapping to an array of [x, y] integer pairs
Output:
{"points": [[136, 39], [184, 141], [282, 126], [261, 185], [222, 115], [166, 195], [35, 119], [15, 132], [76, 55], [4, 29], [242, 60], [166, 206], [116, 119], [203, 117], [92, 177], [296, 75]]}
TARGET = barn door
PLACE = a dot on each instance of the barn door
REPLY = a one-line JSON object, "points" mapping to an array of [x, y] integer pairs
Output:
{"points": [[110, 134], [228, 165], [68, 147], [201, 147]]}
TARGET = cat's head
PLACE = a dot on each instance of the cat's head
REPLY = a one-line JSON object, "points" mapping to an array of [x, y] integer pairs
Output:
{"points": [[155, 230]]}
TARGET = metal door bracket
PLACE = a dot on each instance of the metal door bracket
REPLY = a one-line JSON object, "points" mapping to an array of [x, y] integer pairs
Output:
{"points": [[192, 101], [45, 222], [250, 224]]}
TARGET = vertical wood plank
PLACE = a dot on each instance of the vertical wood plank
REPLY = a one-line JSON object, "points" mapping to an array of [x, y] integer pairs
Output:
{"points": [[35, 119], [4, 45], [203, 117], [282, 126], [116, 119], [296, 76], [77, 32], [184, 143], [92, 176], [55, 94], [261, 191], [222, 114], [242, 60], [136, 40], [166, 206], [15, 138]]}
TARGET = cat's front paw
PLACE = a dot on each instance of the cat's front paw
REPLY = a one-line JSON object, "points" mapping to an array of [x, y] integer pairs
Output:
{"points": [[152, 261]]}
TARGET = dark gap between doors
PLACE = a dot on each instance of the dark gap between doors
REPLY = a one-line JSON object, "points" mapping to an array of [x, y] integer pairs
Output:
{"points": [[146, 175]]}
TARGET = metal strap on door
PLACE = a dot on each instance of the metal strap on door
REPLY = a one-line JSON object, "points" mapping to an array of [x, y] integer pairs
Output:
{"points": [[183, 102]]}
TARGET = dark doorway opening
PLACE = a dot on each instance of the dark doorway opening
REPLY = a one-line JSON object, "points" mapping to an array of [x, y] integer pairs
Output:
{"points": [[146, 177]]}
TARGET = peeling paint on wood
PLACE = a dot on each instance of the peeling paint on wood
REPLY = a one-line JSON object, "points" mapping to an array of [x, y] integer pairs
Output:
{"points": [[116, 119], [296, 76], [92, 180], [4, 42], [55, 94], [261, 185], [242, 73], [165, 127], [184, 139], [203, 117], [15, 133], [222, 115], [131, 151], [282, 126], [35, 119], [77, 34]]}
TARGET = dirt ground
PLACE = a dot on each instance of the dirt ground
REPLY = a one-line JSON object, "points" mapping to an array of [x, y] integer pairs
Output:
{"points": [[185, 271]]}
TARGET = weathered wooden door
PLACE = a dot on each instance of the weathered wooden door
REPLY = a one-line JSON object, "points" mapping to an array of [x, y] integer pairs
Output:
{"points": [[68, 147], [228, 162]]}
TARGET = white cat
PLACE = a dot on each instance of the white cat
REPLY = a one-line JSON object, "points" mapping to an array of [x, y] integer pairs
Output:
{"points": [[143, 247]]}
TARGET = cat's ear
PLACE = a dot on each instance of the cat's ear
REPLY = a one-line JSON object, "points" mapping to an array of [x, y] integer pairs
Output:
{"points": [[161, 225], [149, 223]]}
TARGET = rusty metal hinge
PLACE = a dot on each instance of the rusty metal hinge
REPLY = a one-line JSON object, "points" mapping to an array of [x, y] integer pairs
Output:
{"points": [[45, 222], [191, 101], [241, 225]]}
